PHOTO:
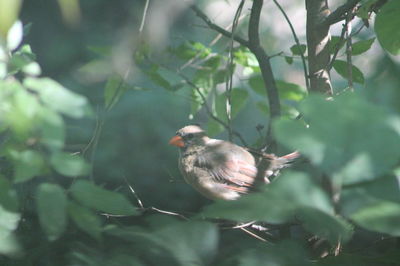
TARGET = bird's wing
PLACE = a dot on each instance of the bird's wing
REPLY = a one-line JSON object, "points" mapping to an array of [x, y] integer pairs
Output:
{"points": [[230, 165]]}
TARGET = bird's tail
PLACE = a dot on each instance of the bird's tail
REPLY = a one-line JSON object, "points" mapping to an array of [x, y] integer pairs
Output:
{"points": [[279, 163]]}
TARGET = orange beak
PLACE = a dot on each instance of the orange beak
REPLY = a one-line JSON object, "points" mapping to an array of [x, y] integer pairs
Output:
{"points": [[177, 141]]}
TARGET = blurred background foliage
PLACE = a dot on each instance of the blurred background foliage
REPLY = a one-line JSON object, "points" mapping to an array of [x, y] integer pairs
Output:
{"points": [[70, 158]]}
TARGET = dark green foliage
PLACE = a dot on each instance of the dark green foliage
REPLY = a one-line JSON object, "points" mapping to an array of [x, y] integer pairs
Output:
{"points": [[67, 173]]}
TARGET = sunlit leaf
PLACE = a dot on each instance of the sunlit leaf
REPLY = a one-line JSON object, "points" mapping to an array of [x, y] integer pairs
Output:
{"points": [[101, 199], [69, 164], [341, 68], [22, 114], [28, 164], [387, 24], [51, 203], [14, 36], [57, 97], [8, 223], [290, 91], [9, 10]]}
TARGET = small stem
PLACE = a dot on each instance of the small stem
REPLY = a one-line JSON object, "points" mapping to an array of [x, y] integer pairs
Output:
{"points": [[303, 59], [349, 50]]}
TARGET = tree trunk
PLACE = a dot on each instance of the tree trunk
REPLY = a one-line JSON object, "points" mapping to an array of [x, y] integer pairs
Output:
{"points": [[318, 51]]}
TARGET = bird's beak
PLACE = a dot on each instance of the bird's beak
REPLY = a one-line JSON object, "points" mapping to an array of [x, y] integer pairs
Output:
{"points": [[177, 141]]}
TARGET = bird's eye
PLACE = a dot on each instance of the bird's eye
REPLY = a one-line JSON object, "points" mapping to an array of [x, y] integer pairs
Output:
{"points": [[189, 136]]}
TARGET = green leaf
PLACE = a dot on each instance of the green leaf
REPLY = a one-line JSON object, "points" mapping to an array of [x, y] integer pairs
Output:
{"points": [[365, 8], [296, 194], [349, 147], [8, 224], [354, 198], [27, 164], [22, 114], [361, 47], [298, 49], [104, 50], [387, 24], [85, 219], [326, 226], [341, 68], [189, 50], [195, 242], [100, 199], [263, 107], [335, 44], [58, 97], [97, 70], [115, 88], [272, 254], [382, 216], [239, 99], [8, 196], [256, 83], [245, 57], [9, 220], [69, 165], [158, 79], [52, 129], [51, 203], [290, 91], [14, 36], [289, 60]]}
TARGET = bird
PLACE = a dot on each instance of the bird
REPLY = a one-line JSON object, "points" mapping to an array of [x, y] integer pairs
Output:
{"points": [[222, 170]]}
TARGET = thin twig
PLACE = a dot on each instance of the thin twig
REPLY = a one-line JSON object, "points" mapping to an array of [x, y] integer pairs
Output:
{"points": [[253, 234], [134, 193], [218, 37], [168, 213], [296, 39], [348, 50], [341, 40], [229, 82], [217, 28], [146, 6], [339, 13], [204, 100]]}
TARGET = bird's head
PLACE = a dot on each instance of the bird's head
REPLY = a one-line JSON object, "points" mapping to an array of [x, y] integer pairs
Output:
{"points": [[191, 135]]}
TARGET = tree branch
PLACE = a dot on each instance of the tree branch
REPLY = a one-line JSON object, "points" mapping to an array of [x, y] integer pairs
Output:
{"points": [[265, 66], [217, 28], [349, 48], [339, 13], [318, 51]]}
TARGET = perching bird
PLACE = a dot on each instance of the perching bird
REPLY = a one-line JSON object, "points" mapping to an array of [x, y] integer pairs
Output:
{"points": [[220, 169]]}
